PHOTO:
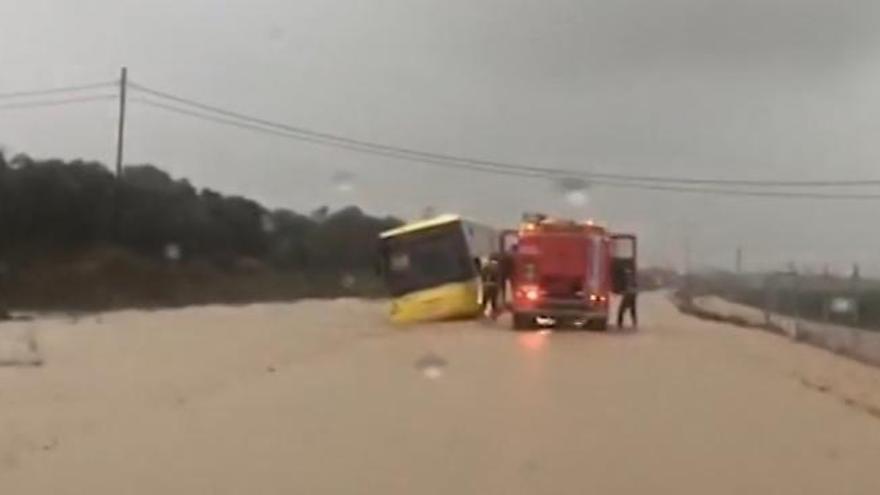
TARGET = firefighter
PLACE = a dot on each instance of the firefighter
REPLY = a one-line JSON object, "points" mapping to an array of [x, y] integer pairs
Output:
{"points": [[492, 277], [506, 265], [628, 301]]}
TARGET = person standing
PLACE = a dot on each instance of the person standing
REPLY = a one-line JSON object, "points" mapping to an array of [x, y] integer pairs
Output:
{"points": [[628, 300], [491, 276], [506, 268]]}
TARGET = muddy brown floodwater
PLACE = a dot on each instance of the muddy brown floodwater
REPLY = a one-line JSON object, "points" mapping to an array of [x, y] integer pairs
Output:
{"points": [[326, 397]]}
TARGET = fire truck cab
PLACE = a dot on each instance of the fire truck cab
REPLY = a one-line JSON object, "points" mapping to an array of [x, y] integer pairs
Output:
{"points": [[559, 273]]}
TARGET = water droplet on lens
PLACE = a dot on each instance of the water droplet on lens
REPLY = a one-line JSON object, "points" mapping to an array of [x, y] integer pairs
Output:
{"points": [[432, 366], [343, 181], [275, 33], [267, 223], [574, 190], [429, 212], [577, 198], [348, 281], [172, 252]]}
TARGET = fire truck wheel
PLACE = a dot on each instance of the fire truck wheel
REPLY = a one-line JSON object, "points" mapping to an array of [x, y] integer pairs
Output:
{"points": [[600, 324], [523, 322]]}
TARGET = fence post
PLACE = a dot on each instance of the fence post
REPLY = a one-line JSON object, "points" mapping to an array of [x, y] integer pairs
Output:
{"points": [[796, 289], [826, 301], [856, 297]]}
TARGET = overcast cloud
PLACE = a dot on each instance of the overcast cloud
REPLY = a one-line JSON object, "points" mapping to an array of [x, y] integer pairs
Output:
{"points": [[774, 89]]}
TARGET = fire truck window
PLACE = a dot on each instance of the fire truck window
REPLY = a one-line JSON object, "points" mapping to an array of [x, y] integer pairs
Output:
{"points": [[511, 241], [623, 248]]}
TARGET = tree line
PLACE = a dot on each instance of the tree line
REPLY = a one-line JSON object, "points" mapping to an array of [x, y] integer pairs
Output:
{"points": [[53, 205]]}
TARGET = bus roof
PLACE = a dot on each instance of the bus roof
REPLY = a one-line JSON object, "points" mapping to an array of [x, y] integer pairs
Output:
{"points": [[420, 225]]}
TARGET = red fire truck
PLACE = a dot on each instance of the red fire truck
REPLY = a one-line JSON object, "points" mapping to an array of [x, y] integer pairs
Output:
{"points": [[559, 273]]}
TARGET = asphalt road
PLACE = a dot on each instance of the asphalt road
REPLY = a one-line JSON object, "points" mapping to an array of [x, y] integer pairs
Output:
{"points": [[326, 397]]}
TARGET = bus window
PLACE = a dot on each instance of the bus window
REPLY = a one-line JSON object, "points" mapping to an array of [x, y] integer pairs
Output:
{"points": [[399, 262], [427, 261]]}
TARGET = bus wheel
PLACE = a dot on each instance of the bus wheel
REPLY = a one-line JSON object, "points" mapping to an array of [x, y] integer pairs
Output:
{"points": [[523, 322]]}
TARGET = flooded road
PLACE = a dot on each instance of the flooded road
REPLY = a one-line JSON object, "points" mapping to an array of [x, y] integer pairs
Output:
{"points": [[326, 397]]}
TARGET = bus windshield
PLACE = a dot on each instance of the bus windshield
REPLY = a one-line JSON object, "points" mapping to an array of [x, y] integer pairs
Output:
{"points": [[421, 260]]}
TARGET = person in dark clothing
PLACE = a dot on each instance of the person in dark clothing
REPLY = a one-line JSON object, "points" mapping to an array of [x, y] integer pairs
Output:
{"points": [[492, 277], [505, 265], [628, 300]]}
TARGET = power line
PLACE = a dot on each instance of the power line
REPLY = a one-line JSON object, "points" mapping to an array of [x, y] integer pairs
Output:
{"points": [[52, 91], [741, 192], [299, 137], [54, 103], [530, 175], [499, 171], [368, 146], [741, 182], [329, 139]]}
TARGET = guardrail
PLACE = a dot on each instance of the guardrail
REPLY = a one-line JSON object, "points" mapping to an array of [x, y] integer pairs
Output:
{"points": [[862, 345]]}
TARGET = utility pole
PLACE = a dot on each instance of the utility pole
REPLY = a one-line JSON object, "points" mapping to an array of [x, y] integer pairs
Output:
{"points": [[687, 266], [687, 253], [120, 136], [855, 290], [120, 142], [739, 259]]}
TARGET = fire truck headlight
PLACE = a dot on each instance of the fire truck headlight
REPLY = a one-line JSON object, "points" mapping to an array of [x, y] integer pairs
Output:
{"points": [[530, 293], [598, 298]]}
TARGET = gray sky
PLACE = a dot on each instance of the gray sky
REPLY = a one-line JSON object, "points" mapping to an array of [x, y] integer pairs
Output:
{"points": [[770, 89]]}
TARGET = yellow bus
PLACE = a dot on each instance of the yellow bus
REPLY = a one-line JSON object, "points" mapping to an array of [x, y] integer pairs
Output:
{"points": [[432, 268]]}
